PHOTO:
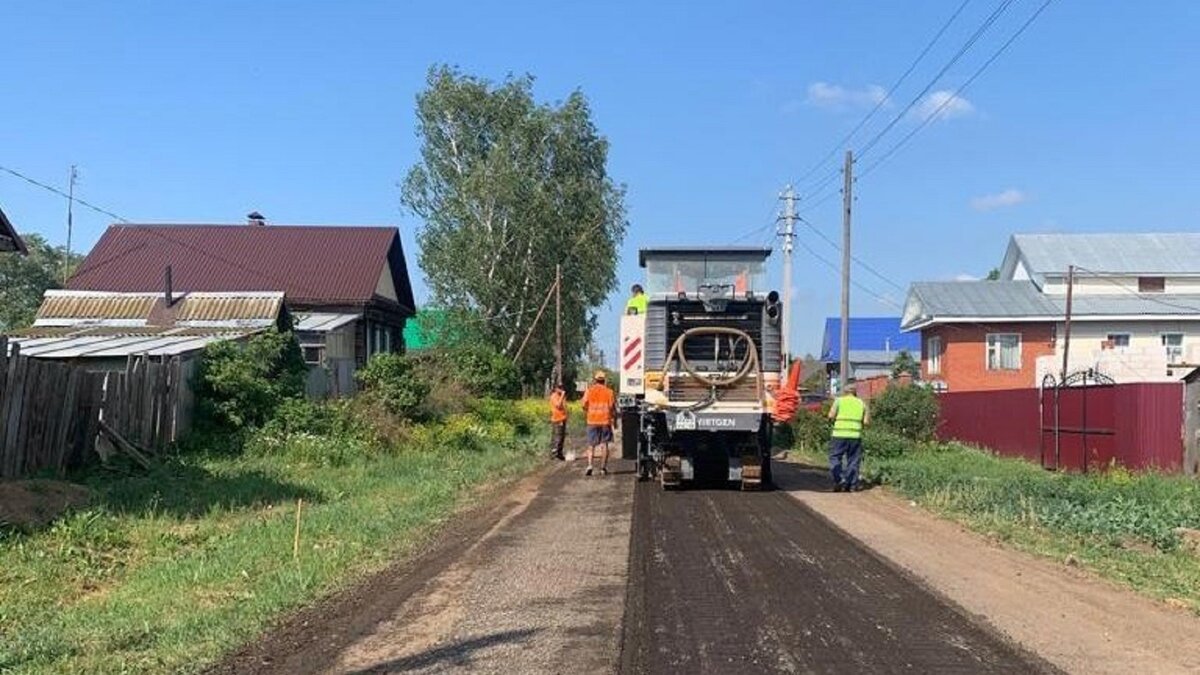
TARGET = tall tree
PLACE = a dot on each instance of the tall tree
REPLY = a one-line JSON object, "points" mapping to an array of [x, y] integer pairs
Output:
{"points": [[508, 188], [23, 280]]}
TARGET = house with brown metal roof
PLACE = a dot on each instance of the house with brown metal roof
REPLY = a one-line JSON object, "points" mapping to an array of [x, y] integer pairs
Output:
{"points": [[9, 239], [347, 287], [101, 330]]}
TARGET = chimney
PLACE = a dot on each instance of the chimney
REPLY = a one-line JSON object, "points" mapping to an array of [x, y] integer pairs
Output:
{"points": [[256, 219], [168, 295]]}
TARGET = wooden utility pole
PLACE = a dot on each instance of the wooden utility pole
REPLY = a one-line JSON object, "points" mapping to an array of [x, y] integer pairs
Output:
{"points": [[558, 343], [789, 234], [1067, 322], [847, 200], [70, 220], [536, 319]]}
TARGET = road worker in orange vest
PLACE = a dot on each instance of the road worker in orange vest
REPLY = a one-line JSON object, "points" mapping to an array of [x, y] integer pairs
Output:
{"points": [[600, 404], [558, 421]]}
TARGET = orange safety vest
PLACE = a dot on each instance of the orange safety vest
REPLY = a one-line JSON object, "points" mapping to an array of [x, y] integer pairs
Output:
{"points": [[558, 407], [599, 401]]}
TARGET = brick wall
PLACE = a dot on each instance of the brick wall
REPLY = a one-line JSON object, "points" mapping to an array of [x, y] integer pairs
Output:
{"points": [[964, 355]]}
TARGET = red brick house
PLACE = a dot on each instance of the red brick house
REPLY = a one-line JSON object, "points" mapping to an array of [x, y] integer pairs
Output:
{"points": [[1135, 312], [347, 287]]}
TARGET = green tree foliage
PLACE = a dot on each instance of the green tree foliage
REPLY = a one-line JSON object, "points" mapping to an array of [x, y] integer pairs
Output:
{"points": [[905, 363], [240, 385], [394, 381], [910, 411], [24, 279], [993, 274], [508, 188], [815, 379]]}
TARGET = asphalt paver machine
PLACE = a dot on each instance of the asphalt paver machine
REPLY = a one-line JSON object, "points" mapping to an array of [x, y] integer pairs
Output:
{"points": [[698, 370]]}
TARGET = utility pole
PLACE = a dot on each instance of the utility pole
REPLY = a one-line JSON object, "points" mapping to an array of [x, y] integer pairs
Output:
{"points": [[70, 220], [847, 200], [558, 343], [789, 234], [1067, 322]]}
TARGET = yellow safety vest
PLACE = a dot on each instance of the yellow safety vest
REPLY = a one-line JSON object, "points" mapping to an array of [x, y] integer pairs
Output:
{"points": [[639, 302], [849, 421]]}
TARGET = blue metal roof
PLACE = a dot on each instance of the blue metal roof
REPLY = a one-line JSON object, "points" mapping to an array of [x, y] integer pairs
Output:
{"points": [[868, 334]]}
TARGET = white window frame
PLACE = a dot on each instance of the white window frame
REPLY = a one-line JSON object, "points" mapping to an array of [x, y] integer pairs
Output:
{"points": [[1172, 350], [987, 351], [933, 354], [1128, 339]]}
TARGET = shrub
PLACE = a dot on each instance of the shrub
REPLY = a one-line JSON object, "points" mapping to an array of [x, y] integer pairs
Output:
{"points": [[909, 411], [393, 381], [239, 385], [811, 430], [883, 443]]}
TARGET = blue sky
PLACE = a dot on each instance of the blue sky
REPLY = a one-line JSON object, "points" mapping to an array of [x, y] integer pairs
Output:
{"points": [[204, 111]]}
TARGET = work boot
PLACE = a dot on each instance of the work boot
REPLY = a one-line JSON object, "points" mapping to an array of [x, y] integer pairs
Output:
{"points": [[588, 472], [603, 471]]}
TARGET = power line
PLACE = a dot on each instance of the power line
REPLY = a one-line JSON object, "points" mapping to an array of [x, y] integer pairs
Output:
{"points": [[933, 115], [856, 259], [825, 261], [1107, 277], [62, 194], [886, 97], [979, 32]]}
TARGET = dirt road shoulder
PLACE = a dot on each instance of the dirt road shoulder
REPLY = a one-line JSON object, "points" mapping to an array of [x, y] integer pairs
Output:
{"points": [[1074, 620]]}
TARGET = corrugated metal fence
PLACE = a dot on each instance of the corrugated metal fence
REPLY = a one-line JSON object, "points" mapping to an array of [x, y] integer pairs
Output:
{"points": [[52, 413], [1139, 426]]}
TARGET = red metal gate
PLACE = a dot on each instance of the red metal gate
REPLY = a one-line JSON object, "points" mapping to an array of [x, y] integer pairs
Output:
{"points": [[1078, 415]]}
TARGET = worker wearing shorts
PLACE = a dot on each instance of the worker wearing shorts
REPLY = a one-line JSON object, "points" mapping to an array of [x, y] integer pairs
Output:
{"points": [[600, 404]]}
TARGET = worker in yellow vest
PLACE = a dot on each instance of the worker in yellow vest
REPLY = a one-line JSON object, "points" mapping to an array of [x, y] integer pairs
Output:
{"points": [[849, 414], [638, 303]]}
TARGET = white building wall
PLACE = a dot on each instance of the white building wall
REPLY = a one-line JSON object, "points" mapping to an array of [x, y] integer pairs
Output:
{"points": [[1144, 360], [1085, 285]]}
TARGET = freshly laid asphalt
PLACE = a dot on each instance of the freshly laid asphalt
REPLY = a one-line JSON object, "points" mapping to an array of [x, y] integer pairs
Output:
{"points": [[722, 581], [569, 574]]}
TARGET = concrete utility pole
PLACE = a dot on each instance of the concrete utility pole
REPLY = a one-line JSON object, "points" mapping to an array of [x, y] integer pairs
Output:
{"points": [[847, 200], [558, 344], [1067, 322], [70, 220], [789, 235]]}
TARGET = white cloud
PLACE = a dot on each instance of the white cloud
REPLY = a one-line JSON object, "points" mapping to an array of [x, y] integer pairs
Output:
{"points": [[965, 277], [837, 97], [944, 105], [1009, 197]]}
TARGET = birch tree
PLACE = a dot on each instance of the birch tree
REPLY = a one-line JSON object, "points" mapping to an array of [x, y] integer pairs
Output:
{"points": [[507, 188]]}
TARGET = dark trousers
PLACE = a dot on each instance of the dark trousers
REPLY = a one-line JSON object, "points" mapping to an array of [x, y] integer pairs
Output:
{"points": [[848, 450], [558, 435]]}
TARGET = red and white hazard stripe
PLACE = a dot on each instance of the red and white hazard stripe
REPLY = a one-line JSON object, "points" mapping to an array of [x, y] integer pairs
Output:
{"points": [[632, 354]]}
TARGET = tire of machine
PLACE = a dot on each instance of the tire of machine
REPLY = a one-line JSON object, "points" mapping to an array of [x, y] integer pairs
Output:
{"points": [[630, 434]]}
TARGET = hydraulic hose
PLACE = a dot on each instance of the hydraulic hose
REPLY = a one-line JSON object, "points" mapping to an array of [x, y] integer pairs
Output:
{"points": [[749, 362]]}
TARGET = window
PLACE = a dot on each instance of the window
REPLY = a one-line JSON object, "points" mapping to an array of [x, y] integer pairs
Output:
{"points": [[313, 354], [1151, 284], [933, 355], [1173, 344], [1004, 351], [1118, 340]]}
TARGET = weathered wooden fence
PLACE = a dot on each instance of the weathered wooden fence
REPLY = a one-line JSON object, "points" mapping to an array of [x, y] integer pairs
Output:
{"points": [[52, 413]]}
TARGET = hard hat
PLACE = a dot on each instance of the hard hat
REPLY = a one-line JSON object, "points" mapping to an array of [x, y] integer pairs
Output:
{"points": [[599, 376]]}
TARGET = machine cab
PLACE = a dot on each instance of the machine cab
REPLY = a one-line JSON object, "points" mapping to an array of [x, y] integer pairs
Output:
{"points": [[699, 287]]}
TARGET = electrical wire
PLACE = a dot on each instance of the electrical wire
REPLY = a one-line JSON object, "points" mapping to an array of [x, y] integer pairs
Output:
{"points": [[886, 97], [979, 32], [62, 194], [856, 259], [955, 96]]}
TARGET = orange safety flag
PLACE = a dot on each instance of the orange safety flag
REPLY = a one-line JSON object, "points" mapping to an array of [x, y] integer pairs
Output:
{"points": [[599, 402], [787, 398], [558, 406]]}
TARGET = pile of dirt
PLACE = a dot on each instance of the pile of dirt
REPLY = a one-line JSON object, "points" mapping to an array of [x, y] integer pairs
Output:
{"points": [[33, 504]]}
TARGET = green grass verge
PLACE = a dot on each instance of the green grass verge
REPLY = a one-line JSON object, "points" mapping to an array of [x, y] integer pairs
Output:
{"points": [[1115, 523], [168, 571]]}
